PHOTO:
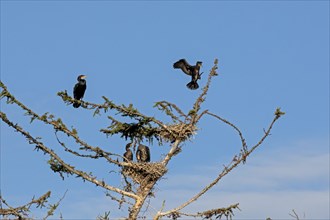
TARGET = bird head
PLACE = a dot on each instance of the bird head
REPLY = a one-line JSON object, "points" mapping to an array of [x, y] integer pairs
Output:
{"points": [[199, 63], [128, 146], [80, 77]]}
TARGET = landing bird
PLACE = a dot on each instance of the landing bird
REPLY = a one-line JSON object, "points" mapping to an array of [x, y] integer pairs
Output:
{"points": [[128, 155], [192, 71], [79, 90], [143, 154]]}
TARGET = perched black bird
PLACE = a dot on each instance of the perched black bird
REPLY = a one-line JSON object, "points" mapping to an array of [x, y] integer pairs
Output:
{"points": [[192, 71], [79, 90], [143, 154], [128, 155]]}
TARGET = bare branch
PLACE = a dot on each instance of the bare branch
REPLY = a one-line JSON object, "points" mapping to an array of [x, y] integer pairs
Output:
{"points": [[208, 214], [120, 201], [173, 151], [53, 207], [65, 167], [58, 125], [197, 105], [224, 172], [294, 215], [98, 153], [167, 108], [75, 152], [23, 210], [109, 105], [244, 146], [193, 114], [125, 111], [142, 176]]}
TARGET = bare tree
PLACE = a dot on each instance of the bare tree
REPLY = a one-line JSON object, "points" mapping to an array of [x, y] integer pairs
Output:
{"points": [[140, 177]]}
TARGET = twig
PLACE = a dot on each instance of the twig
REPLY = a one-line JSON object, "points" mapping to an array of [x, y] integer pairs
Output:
{"points": [[208, 214], [52, 208], [122, 109], [244, 146], [67, 168], [197, 105], [125, 111], [120, 201], [22, 211], [167, 107], [193, 114], [58, 125], [294, 215], [223, 173]]}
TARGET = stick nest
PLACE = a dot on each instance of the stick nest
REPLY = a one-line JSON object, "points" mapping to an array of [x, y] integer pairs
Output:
{"points": [[144, 172], [179, 131]]}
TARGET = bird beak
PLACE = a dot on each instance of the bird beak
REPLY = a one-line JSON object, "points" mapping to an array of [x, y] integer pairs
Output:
{"points": [[83, 77]]}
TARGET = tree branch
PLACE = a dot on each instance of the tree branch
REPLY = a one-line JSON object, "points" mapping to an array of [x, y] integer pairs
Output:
{"points": [[144, 175], [167, 108], [225, 171], [173, 151], [65, 167], [244, 146], [294, 215], [217, 213], [125, 111], [197, 105], [22, 211], [194, 117], [58, 125]]}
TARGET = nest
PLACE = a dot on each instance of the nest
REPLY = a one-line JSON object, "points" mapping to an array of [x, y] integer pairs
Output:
{"points": [[180, 131], [142, 172]]}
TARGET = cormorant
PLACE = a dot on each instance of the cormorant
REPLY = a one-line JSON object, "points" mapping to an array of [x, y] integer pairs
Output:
{"points": [[143, 154], [79, 90], [128, 155], [192, 71]]}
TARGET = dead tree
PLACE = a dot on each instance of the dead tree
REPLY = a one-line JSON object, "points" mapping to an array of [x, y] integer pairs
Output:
{"points": [[140, 178]]}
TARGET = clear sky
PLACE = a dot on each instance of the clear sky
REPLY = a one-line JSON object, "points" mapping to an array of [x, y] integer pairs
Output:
{"points": [[271, 54]]}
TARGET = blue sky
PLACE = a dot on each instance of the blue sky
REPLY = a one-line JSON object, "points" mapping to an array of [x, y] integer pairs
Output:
{"points": [[271, 54]]}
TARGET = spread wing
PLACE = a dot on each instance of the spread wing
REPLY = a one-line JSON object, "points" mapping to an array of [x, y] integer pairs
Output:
{"points": [[183, 65]]}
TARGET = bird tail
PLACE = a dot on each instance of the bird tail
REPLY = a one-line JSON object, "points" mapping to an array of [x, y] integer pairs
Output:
{"points": [[193, 85], [76, 104]]}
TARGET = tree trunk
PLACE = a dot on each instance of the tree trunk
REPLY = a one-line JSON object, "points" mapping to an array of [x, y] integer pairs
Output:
{"points": [[134, 212], [143, 193]]}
